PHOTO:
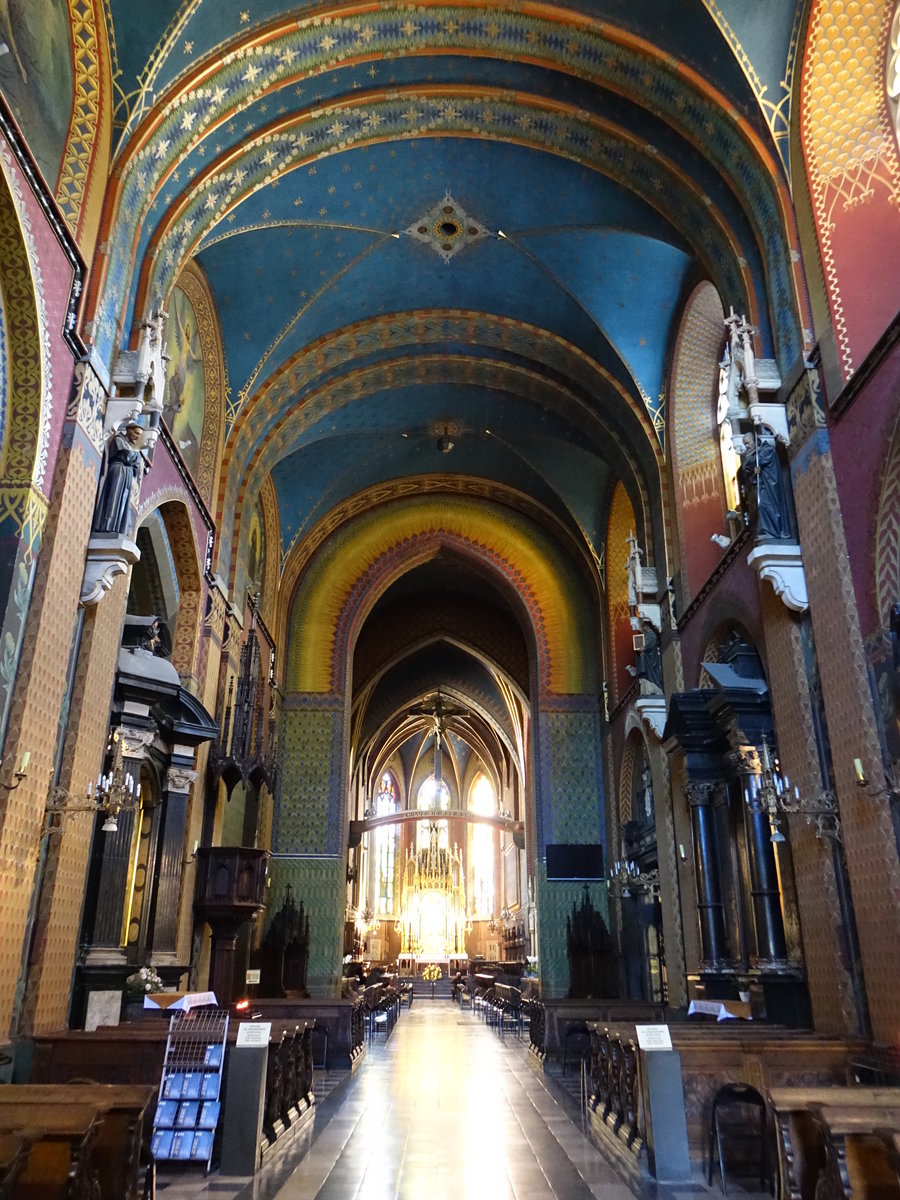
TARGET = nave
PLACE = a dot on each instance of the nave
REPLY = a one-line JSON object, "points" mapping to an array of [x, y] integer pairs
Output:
{"points": [[444, 1108]]}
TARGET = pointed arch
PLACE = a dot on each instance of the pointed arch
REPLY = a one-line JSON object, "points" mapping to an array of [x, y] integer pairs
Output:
{"points": [[621, 525], [696, 459]]}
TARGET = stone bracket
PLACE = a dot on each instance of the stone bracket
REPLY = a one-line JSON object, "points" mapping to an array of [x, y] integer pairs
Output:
{"points": [[107, 557], [652, 711], [782, 564]]}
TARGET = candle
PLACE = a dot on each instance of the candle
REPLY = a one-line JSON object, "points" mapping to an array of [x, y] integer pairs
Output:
{"points": [[858, 768]]}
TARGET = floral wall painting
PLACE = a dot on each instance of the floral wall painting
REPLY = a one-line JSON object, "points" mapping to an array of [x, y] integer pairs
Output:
{"points": [[37, 77], [185, 384]]}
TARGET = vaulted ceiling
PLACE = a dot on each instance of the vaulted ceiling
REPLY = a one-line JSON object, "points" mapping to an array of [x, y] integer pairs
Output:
{"points": [[437, 224]]}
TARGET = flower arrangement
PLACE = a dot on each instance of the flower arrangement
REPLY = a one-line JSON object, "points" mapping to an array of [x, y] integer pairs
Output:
{"points": [[432, 973], [143, 983]]}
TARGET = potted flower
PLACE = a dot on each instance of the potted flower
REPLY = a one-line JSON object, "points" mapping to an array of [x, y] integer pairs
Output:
{"points": [[144, 982], [432, 974]]}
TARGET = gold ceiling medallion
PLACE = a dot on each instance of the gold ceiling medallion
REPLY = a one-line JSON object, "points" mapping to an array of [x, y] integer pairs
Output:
{"points": [[447, 229]]}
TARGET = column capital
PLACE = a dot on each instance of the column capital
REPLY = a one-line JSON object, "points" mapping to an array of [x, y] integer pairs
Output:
{"points": [[179, 779]]}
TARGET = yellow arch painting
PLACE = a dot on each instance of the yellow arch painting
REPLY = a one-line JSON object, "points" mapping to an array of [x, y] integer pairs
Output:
{"points": [[362, 558]]}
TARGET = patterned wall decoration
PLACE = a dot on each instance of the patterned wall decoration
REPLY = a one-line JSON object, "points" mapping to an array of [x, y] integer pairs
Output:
{"points": [[36, 711], [568, 756], [363, 557], [28, 432], [887, 536], [309, 807], [554, 901], [186, 633], [796, 699], [286, 55], [197, 352], [696, 460], [880, 649], [869, 842], [321, 883], [268, 503], [26, 427], [854, 169], [621, 526], [82, 177]]}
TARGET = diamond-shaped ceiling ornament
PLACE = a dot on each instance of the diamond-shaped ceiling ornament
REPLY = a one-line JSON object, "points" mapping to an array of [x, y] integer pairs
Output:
{"points": [[447, 229]]}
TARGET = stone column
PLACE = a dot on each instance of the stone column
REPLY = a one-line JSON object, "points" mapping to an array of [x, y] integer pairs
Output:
{"points": [[710, 909], [112, 859], [170, 849]]}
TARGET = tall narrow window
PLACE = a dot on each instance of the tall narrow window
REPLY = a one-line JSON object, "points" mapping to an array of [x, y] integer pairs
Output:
{"points": [[432, 794], [385, 845], [483, 801]]}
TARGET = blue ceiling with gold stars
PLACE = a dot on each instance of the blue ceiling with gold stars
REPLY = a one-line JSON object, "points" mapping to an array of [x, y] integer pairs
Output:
{"points": [[558, 178]]}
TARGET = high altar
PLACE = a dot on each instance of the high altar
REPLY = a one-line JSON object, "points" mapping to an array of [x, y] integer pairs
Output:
{"points": [[433, 921]]}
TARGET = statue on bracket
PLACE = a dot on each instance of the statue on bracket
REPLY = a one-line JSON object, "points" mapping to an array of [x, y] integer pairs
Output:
{"points": [[648, 664], [761, 479], [125, 464]]}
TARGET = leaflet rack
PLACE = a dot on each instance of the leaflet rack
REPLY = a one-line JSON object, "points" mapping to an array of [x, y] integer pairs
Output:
{"points": [[184, 1126]]}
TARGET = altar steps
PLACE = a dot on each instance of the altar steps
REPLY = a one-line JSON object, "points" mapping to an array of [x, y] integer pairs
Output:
{"points": [[422, 988]]}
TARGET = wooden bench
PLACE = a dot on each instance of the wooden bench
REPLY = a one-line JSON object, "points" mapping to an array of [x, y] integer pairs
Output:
{"points": [[60, 1164], [14, 1151], [121, 1111], [802, 1128], [859, 1162]]}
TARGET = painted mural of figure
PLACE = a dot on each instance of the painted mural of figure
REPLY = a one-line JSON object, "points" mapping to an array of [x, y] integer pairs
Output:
{"points": [[761, 472], [125, 463], [188, 352]]}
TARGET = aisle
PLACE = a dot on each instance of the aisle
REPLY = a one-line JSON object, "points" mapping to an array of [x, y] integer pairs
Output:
{"points": [[444, 1110]]}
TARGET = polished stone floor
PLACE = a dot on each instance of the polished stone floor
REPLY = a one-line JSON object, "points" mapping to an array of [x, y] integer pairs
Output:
{"points": [[444, 1109]]}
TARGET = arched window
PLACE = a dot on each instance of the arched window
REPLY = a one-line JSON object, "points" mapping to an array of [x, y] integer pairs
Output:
{"points": [[385, 845], [433, 794], [483, 801]]}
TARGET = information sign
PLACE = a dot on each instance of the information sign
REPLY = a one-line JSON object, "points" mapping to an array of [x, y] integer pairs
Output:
{"points": [[654, 1037], [254, 1033]]}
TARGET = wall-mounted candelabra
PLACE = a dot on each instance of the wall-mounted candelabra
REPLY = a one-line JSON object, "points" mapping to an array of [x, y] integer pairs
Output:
{"points": [[873, 788], [627, 879], [115, 791], [769, 791]]}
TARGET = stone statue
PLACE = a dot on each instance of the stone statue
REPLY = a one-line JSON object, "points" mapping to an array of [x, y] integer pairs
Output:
{"points": [[761, 475], [125, 463], [649, 660]]}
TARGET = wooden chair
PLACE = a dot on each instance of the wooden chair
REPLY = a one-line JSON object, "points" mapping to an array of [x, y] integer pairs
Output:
{"points": [[738, 1122]]}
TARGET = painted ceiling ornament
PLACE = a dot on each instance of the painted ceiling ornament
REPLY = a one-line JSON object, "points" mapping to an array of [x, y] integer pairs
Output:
{"points": [[447, 229]]}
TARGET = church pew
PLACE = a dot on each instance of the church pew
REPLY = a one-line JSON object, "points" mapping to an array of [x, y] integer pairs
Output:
{"points": [[802, 1144], [859, 1163], [121, 1111], [60, 1163], [14, 1151]]}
